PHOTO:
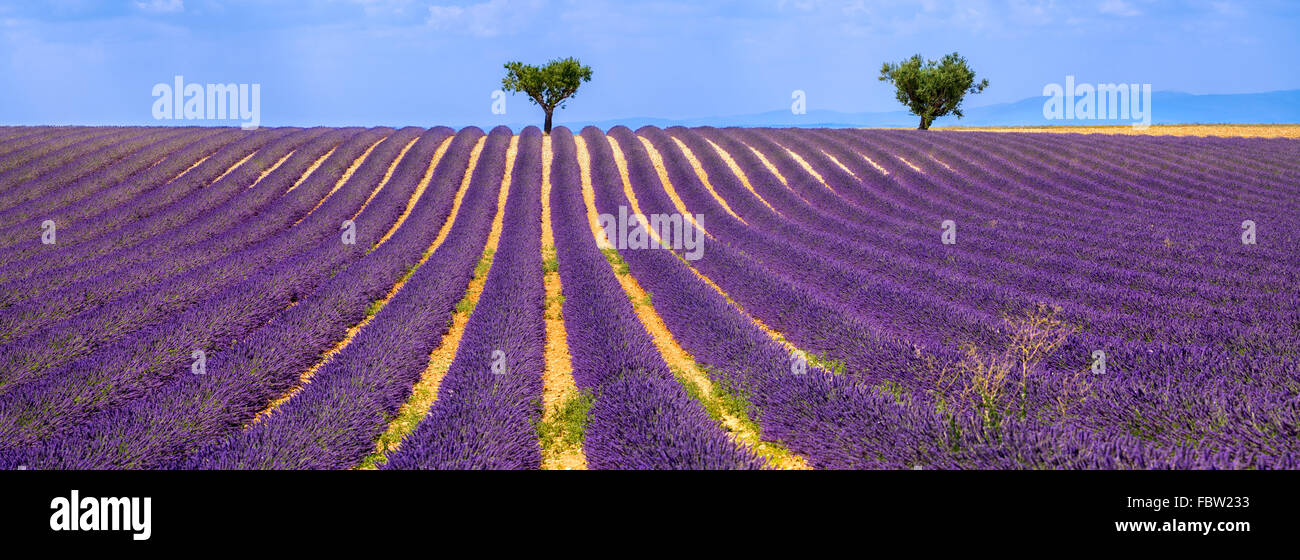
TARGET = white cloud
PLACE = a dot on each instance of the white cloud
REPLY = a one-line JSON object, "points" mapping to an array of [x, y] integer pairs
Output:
{"points": [[1228, 9], [1118, 8], [1032, 12], [161, 6], [383, 7], [444, 15], [865, 18], [485, 19], [799, 5]]}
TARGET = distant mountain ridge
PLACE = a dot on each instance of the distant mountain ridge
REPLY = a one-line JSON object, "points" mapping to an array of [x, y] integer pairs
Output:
{"points": [[1168, 107]]}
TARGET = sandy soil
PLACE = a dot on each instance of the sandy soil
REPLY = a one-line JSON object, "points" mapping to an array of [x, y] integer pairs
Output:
{"points": [[808, 168], [311, 169], [195, 164], [352, 331], [388, 174], [657, 159], [678, 359], [232, 168], [343, 179], [557, 378], [419, 192], [840, 164], [744, 180], [425, 391], [773, 170], [905, 162], [268, 170]]}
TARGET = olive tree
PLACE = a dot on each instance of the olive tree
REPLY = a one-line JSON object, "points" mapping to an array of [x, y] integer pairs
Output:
{"points": [[932, 89], [549, 86]]}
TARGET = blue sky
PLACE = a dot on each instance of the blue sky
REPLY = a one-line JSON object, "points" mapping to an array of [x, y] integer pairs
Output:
{"points": [[406, 62]]}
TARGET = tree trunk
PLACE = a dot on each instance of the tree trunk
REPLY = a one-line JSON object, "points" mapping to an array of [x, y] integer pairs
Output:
{"points": [[547, 128], [925, 124]]}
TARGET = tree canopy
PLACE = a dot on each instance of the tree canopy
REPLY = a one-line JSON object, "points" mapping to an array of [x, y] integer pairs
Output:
{"points": [[932, 89], [549, 86]]}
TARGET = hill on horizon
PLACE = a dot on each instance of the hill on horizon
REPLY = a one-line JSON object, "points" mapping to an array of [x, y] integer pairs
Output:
{"points": [[1168, 107]]}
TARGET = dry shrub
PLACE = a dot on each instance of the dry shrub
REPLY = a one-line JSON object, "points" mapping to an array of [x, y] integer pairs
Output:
{"points": [[995, 381]]}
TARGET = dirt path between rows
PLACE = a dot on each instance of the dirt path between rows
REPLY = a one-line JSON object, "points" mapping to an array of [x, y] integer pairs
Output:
{"points": [[679, 360], [558, 385]]}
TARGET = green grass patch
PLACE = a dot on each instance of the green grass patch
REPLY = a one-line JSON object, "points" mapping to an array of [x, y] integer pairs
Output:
{"points": [[484, 264], [410, 270], [558, 302], [568, 426], [735, 401], [389, 440], [730, 398], [693, 389], [466, 306], [894, 388], [835, 367], [550, 263], [616, 261]]}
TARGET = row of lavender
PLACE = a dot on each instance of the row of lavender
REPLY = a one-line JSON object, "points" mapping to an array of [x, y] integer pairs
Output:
{"points": [[1257, 375], [335, 420], [847, 266], [189, 413], [486, 405], [969, 295], [919, 241], [137, 341], [146, 413], [1184, 393], [850, 421]]}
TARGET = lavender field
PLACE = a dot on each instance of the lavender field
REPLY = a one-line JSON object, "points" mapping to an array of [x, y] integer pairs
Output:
{"points": [[340, 298]]}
